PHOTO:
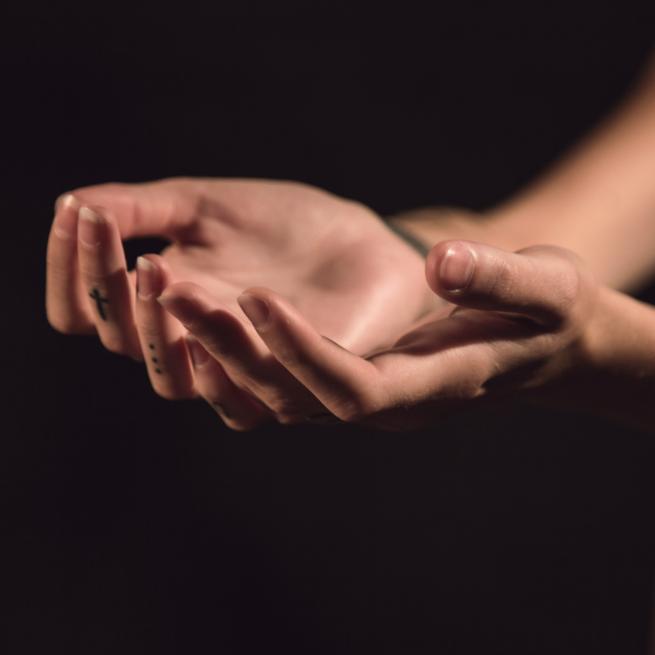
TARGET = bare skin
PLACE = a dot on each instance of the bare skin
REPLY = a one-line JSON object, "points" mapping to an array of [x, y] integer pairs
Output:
{"points": [[334, 258], [342, 274], [598, 202]]}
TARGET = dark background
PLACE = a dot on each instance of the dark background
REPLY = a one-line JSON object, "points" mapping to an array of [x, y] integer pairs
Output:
{"points": [[135, 525]]}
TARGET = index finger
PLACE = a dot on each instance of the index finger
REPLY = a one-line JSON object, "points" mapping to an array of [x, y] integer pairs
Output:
{"points": [[67, 307]]}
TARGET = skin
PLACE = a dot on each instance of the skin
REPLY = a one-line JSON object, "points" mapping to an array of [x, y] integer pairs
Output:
{"points": [[598, 202], [533, 325], [339, 274], [333, 257]]}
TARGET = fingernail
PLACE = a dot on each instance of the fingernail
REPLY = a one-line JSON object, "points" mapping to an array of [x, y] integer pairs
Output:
{"points": [[255, 309], [456, 268], [199, 355], [147, 279], [66, 200], [90, 228], [65, 225]]}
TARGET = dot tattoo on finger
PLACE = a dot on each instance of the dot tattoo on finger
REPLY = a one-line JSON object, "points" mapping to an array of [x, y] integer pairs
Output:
{"points": [[154, 360]]}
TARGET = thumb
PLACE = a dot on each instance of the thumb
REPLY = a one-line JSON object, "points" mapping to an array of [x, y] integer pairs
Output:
{"points": [[540, 282]]}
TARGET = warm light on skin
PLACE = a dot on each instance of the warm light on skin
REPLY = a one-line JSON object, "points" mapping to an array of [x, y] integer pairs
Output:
{"points": [[598, 200]]}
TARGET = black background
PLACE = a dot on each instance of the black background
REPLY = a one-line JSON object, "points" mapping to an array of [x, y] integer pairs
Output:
{"points": [[135, 525]]}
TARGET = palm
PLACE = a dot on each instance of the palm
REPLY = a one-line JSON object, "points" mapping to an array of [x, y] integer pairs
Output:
{"points": [[332, 258]]}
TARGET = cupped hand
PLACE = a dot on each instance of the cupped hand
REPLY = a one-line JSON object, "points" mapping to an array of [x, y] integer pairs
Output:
{"points": [[516, 324], [333, 258]]}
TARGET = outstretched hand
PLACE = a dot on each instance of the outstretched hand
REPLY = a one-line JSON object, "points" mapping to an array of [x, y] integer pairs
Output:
{"points": [[514, 323], [333, 258]]}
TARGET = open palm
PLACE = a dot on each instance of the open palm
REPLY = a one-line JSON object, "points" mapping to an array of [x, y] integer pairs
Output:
{"points": [[332, 258]]}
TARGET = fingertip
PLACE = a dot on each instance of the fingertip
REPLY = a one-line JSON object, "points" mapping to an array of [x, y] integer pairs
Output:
{"points": [[163, 267], [66, 201], [66, 217], [256, 309], [148, 278]]}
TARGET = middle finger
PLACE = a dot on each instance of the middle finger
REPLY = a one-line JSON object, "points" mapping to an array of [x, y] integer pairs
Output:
{"points": [[247, 362]]}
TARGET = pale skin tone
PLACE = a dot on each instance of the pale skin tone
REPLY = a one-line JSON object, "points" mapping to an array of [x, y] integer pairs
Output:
{"points": [[334, 258], [357, 327]]}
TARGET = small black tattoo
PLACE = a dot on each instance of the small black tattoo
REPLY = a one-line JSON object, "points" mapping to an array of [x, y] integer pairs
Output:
{"points": [[96, 295], [155, 360]]}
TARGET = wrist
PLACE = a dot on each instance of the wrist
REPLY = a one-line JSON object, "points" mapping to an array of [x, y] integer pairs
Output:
{"points": [[614, 372], [430, 225]]}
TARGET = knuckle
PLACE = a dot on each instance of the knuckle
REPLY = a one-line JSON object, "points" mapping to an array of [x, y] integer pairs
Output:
{"points": [[501, 278], [569, 278], [569, 290]]}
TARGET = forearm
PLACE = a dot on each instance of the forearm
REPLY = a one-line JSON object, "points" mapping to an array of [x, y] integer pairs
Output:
{"points": [[598, 201]]}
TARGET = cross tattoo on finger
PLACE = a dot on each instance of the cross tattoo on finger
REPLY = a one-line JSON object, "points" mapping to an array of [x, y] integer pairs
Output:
{"points": [[97, 296]]}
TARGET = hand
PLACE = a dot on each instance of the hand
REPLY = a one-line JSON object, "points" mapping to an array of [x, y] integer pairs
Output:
{"points": [[517, 324], [355, 280]]}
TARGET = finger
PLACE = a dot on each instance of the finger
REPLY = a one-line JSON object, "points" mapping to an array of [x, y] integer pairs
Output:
{"points": [[540, 283], [67, 307], [166, 208], [104, 276], [239, 350], [160, 335], [346, 384], [235, 407]]}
